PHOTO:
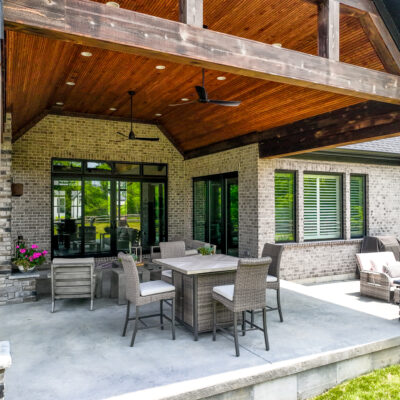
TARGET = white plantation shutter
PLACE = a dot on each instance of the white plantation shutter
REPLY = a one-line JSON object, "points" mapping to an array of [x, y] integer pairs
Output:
{"points": [[322, 207], [284, 207], [357, 206]]}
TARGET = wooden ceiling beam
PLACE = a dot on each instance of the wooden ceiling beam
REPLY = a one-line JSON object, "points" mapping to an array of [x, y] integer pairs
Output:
{"points": [[355, 124], [191, 12], [94, 24], [328, 29]]}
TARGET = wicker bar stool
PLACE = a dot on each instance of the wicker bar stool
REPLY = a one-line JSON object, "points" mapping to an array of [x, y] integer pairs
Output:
{"points": [[171, 250], [246, 294], [273, 279], [140, 294]]}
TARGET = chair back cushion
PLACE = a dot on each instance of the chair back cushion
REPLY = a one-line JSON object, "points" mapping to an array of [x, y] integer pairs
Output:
{"points": [[251, 274], [275, 252], [393, 270], [375, 261], [172, 249], [131, 277]]}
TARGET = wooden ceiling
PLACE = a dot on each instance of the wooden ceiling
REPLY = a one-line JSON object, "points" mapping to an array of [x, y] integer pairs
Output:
{"points": [[38, 69]]}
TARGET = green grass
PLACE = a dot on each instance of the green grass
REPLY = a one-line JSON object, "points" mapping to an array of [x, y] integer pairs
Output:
{"points": [[382, 384]]}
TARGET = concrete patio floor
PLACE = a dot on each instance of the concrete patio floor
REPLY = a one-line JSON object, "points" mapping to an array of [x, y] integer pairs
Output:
{"points": [[78, 354]]}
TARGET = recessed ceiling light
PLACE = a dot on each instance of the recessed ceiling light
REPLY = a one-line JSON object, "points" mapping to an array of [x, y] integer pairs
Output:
{"points": [[221, 78], [60, 103], [185, 99], [160, 67], [70, 83], [112, 4], [279, 45], [113, 109], [86, 54], [158, 115]]}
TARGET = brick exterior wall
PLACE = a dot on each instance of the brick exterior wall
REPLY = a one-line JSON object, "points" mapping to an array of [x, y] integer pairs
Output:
{"points": [[244, 161], [306, 260], [66, 137]]}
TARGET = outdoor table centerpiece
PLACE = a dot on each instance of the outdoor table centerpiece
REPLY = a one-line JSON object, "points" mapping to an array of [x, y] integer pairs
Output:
{"points": [[27, 259]]}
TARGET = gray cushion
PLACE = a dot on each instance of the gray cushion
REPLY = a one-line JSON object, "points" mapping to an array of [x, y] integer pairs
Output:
{"points": [[225, 291], [393, 270]]}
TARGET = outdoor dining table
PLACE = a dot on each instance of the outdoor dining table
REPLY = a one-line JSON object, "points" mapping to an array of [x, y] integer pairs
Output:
{"points": [[194, 278]]}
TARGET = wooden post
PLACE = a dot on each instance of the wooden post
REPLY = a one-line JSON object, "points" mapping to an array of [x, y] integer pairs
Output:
{"points": [[2, 73], [191, 12], [328, 29]]}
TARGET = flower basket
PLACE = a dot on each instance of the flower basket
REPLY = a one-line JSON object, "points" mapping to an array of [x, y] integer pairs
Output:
{"points": [[27, 259]]}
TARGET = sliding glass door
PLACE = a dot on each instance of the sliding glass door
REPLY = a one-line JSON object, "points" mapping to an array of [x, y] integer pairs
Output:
{"points": [[95, 214], [215, 211]]}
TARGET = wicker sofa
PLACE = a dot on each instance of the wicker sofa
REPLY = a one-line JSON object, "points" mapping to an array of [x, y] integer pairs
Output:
{"points": [[374, 282]]}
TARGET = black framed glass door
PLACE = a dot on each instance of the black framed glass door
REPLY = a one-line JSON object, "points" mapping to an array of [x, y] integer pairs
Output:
{"points": [[95, 214], [216, 211]]}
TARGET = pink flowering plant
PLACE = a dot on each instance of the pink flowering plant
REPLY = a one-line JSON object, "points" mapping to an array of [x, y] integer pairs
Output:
{"points": [[29, 257]]}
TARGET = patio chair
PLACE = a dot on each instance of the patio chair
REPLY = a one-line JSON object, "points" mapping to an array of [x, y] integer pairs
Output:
{"points": [[246, 294], [72, 279], [273, 279], [171, 250], [140, 294]]}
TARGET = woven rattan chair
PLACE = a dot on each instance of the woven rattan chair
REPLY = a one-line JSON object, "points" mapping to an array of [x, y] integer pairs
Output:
{"points": [[246, 294], [273, 279], [140, 294], [171, 250]]}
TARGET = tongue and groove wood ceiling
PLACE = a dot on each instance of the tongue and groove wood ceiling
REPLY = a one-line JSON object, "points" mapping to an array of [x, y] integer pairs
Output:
{"points": [[38, 69]]}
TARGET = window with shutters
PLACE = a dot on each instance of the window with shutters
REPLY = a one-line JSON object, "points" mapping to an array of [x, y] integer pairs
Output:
{"points": [[322, 207], [285, 215], [357, 206]]}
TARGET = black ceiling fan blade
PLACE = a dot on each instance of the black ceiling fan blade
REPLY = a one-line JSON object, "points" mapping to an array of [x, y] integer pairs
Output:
{"points": [[183, 104], [226, 103], [202, 93], [149, 139], [119, 133]]}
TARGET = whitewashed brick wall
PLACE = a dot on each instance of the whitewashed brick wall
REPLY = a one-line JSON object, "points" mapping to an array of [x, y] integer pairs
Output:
{"points": [[59, 136], [244, 161], [311, 259]]}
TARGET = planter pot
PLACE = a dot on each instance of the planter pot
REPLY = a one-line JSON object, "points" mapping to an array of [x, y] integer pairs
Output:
{"points": [[21, 268]]}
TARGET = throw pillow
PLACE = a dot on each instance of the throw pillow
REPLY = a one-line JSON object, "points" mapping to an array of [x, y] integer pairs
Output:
{"points": [[393, 270]]}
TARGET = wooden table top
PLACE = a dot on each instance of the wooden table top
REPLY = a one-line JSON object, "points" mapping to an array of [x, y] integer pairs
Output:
{"points": [[198, 264]]}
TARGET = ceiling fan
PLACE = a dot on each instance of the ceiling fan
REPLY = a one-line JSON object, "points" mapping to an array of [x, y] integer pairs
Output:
{"points": [[203, 98], [131, 135]]}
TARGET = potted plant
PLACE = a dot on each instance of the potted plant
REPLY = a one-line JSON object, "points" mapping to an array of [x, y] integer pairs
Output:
{"points": [[27, 259], [205, 251]]}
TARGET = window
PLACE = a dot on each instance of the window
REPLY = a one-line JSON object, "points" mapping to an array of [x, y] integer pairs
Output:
{"points": [[285, 206], [322, 207], [357, 206]]}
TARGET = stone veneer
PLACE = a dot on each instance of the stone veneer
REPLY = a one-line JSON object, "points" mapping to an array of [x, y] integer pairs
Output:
{"points": [[5, 363], [67, 137]]}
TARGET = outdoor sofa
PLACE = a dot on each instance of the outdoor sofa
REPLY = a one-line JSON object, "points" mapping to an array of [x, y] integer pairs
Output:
{"points": [[378, 272]]}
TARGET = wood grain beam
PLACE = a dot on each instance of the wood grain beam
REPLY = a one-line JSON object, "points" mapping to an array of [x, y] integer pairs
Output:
{"points": [[328, 29], [191, 12], [34, 121], [355, 124], [94, 24], [389, 55], [2, 73]]}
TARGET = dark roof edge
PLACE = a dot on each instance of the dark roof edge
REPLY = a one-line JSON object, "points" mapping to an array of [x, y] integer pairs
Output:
{"points": [[351, 156], [388, 20]]}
